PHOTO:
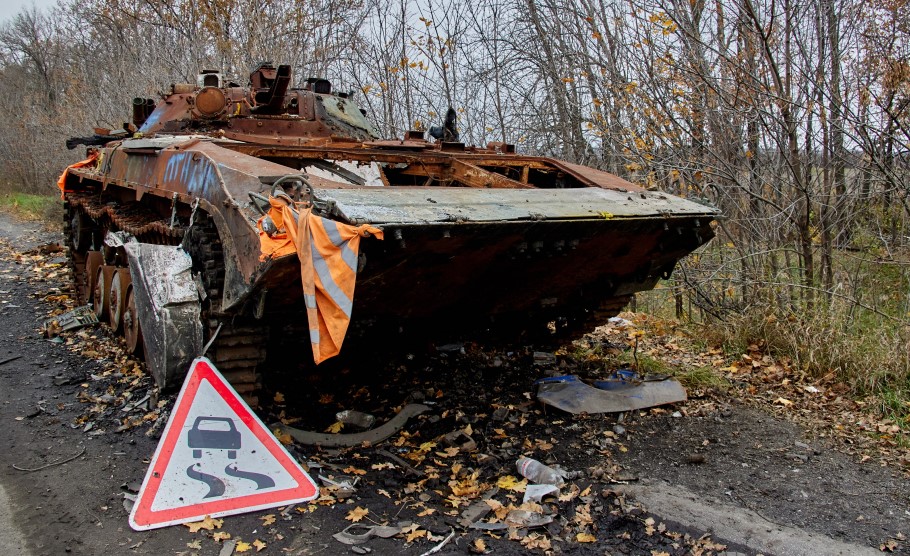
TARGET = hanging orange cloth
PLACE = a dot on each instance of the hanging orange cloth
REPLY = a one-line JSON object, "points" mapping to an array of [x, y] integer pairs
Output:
{"points": [[328, 252], [61, 181]]}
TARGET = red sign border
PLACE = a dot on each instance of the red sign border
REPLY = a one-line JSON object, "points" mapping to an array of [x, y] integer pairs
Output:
{"points": [[143, 517]]}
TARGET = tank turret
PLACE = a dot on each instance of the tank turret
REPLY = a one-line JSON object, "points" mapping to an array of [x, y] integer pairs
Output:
{"points": [[265, 111]]}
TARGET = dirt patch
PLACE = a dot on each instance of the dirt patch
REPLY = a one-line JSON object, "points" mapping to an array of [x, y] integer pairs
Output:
{"points": [[751, 460]]}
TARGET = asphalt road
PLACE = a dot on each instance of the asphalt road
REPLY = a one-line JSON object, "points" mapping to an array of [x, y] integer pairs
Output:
{"points": [[12, 541]]}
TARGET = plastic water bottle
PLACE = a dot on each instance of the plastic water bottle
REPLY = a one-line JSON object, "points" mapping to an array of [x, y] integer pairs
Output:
{"points": [[538, 473]]}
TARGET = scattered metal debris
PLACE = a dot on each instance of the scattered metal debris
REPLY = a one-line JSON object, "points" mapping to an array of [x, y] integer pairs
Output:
{"points": [[535, 493], [404, 465], [371, 437], [72, 320], [439, 546], [359, 533], [570, 394], [357, 419], [459, 439]]}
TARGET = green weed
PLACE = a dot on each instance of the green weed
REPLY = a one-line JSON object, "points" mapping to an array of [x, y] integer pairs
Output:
{"points": [[32, 207], [702, 377]]}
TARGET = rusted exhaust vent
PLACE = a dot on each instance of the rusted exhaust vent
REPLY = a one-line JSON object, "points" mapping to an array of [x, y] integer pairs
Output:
{"points": [[319, 85], [501, 147]]}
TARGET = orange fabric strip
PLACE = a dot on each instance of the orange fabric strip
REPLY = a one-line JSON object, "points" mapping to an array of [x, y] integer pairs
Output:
{"points": [[328, 253], [61, 181]]}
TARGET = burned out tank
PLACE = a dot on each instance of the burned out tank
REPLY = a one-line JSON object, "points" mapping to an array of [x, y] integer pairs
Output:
{"points": [[226, 215]]}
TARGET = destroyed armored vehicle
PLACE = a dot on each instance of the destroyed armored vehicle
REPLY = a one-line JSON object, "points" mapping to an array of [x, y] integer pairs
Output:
{"points": [[225, 214]]}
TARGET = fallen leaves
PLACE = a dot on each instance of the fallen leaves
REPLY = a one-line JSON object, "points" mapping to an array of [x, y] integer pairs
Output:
{"points": [[413, 532], [357, 514], [207, 523], [511, 483], [585, 538]]}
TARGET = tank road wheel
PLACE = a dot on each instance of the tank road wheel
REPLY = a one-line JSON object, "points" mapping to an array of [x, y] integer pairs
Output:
{"points": [[81, 234], [93, 261], [132, 332], [239, 347], [119, 284], [78, 235], [102, 292]]}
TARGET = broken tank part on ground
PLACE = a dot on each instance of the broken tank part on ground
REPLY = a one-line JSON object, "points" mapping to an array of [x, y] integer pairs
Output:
{"points": [[253, 188]]}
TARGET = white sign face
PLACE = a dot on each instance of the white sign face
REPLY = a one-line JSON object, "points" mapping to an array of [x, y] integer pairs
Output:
{"points": [[215, 458]]}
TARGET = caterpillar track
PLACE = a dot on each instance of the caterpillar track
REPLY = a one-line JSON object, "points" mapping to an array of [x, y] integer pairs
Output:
{"points": [[100, 278]]}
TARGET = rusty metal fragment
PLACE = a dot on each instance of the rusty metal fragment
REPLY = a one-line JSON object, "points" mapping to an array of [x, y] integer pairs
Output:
{"points": [[168, 305]]}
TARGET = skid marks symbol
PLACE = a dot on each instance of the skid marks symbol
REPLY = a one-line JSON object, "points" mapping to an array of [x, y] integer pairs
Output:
{"points": [[216, 485], [262, 481]]}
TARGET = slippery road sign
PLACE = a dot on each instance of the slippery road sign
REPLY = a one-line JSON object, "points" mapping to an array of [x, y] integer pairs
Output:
{"points": [[215, 458]]}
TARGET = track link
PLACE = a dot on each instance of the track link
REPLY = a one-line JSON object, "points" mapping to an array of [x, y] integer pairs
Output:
{"points": [[239, 347]]}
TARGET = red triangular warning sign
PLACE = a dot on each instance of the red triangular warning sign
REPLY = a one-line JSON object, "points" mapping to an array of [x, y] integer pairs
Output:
{"points": [[215, 458]]}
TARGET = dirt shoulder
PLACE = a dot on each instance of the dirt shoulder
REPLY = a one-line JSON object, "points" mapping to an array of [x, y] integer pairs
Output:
{"points": [[78, 444]]}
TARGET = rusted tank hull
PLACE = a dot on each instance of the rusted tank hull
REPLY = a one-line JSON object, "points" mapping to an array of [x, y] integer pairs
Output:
{"points": [[474, 273], [478, 248]]}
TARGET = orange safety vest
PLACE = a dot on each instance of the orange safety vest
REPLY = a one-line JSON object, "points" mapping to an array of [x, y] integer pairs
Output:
{"points": [[328, 252]]}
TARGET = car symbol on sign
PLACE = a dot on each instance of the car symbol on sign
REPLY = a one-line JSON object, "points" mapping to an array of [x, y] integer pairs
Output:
{"points": [[214, 433]]}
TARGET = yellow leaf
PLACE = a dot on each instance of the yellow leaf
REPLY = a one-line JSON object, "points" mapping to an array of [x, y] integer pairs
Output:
{"points": [[357, 514], [509, 482], [354, 471], [243, 547], [283, 437], [195, 545], [415, 534], [783, 401], [267, 519], [208, 524], [260, 546], [585, 537], [335, 428], [426, 512], [479, 546], [221, 536], [279, 397], [606, 215]]}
